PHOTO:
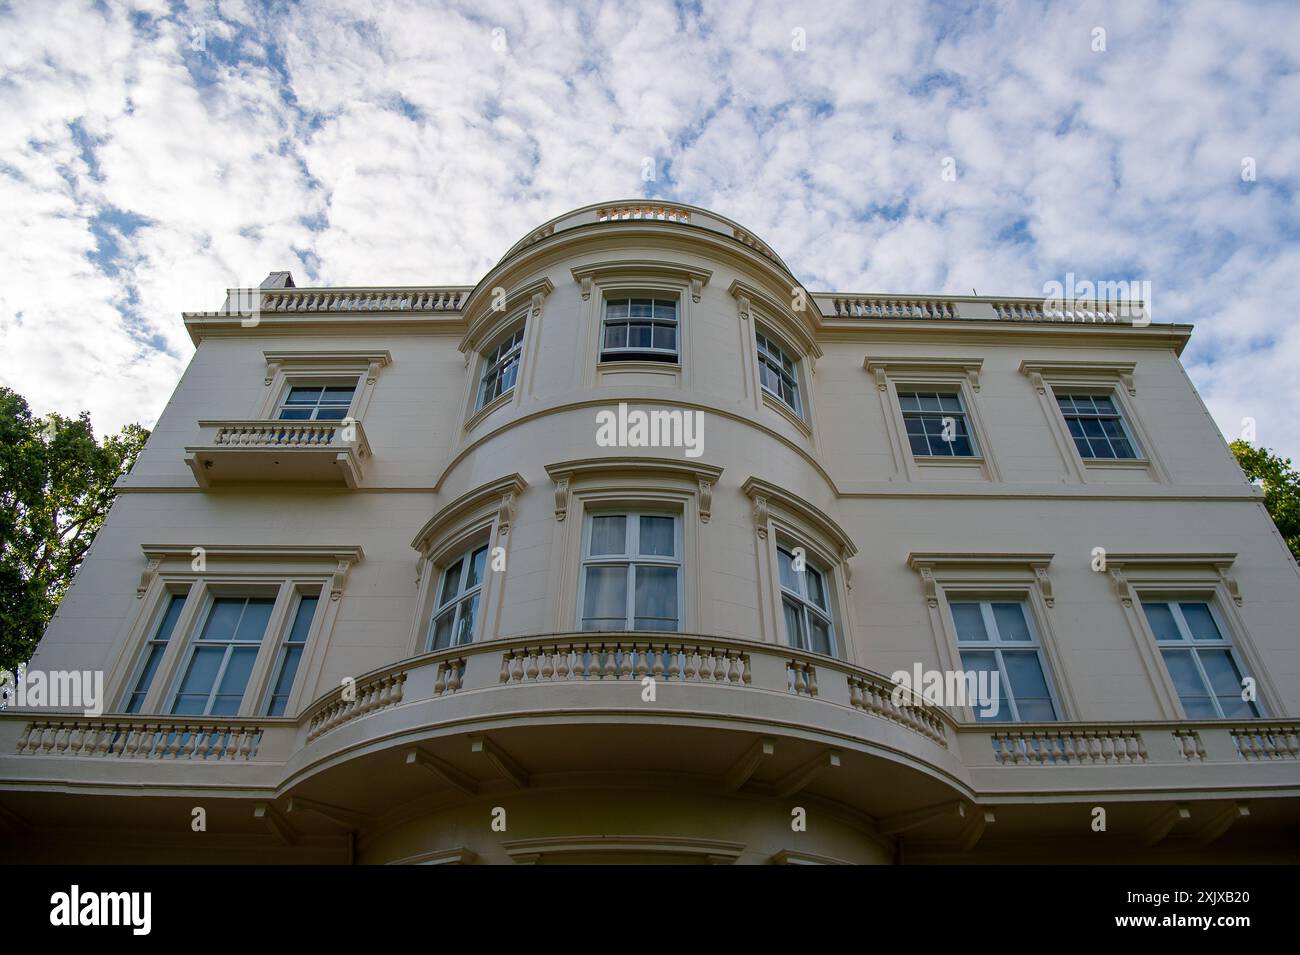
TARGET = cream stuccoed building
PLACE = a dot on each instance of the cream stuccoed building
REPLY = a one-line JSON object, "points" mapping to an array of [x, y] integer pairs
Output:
{"points": [[621, 555]]}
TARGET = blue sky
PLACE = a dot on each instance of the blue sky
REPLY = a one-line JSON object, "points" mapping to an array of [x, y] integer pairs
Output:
{"points": [[155, 153]]}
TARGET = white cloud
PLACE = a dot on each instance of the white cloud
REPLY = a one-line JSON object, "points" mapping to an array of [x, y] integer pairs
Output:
{"points": [[394, 143]]}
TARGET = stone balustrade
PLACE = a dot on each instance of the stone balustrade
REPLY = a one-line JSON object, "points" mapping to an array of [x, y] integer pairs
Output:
{"points": [[155, 738]]}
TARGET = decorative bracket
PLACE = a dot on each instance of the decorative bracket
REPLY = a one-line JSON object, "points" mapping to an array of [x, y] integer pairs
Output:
{"points": [[760, 516], [561, 498], [586, 287], [505, 513], [706, 500], [146, 578], [1225, 574], [742, 307], [697, 286], [339, 577], [1044, 584]]}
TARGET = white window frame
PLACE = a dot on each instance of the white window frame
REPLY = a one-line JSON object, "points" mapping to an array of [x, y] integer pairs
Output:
{"points": [[963, 414], [804, 603], [1190, 643], [768, 347], [651, 354], [495, 361], [285, 643], [631, 559], [996, 645], [292, 382], [461, 598], [132, 687], [195, 642], [1066, 391]]}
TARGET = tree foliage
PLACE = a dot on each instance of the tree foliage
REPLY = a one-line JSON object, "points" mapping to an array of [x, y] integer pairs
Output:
{"points": [[1281, 486], [56, 486]]}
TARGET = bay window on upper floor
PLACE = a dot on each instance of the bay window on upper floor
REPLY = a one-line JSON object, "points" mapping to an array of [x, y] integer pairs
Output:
{"points": [[640, 328], [805, 603], [778, 373], [631, 572], [500, 368], [456, 606]]}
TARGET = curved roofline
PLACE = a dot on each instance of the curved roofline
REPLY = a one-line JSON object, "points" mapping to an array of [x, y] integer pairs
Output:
{"points": [[648, 211]]}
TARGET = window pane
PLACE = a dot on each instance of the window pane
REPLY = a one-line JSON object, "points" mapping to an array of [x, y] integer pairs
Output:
{"points": [[202, 671], [300, 396], [665, 337], [477, 561], [657, 538], [604, 604], [284, 683], [142, 685], [641, 308], [820, 633], [222, 619], [816, 586], [450, 582], [969, 621], [638, 336], [981, 661], [794, 632], [1162, 622], [238, 668], [442, 627], [1187, 681], [950, 403], [1200, 621], [608, 534], [168, 624], [252, 626], [908, 401], [302, 620], [789, 579], [465, 626], [1222, 671], [338, 395], [1011, 623], [1028, 685], [656, 598], [615, 336]]}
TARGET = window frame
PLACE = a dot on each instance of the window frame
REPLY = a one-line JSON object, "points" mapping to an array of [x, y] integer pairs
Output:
{"points": [[462, 596], [514, 336], [1074, 393], [962, 414], [355, 382], [157, 620], [194, 642], [626, 353], [1193, 645], [996, 645], [283, 645], [763, 337], [804, 603], [631, 559]]}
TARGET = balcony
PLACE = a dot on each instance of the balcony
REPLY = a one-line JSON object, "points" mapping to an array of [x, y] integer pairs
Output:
{"points": [[727, 717], [307, 452]]}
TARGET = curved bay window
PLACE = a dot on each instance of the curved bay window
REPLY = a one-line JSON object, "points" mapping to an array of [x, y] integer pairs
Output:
{"points": [[777, 373], [457, 606], [806, 603], [631, 572]]}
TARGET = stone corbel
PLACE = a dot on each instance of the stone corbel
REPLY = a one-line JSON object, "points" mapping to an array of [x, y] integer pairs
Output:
{"points": [[272, 369], [561, 498], [1122, 586], [697, 287], [1127, 379], [1229, 581], [760, 516], [1044, 584], [505, 513], [372, 372], [419, 569], [973, 376], [536, 307], [882, 380], [848, 571], [1036, 379], [146, 578], [706, 500], [742, 307], [338, 578], [586, 287], [929, 586]]}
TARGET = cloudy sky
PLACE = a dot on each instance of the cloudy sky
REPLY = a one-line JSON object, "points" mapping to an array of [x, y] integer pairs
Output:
{"points": [[154, 153]]}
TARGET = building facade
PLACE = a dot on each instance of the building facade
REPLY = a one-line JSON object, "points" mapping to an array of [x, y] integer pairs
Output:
{"points": [[619, 554]]}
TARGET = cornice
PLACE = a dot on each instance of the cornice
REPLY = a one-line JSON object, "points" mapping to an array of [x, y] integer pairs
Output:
{"points": [[764, 493], [587, 275], [801, 326], [926, 563], [481, 317], [704, 476], [343, 557], [1039, 371], [882, 368], [503, 491], [965, 331]]}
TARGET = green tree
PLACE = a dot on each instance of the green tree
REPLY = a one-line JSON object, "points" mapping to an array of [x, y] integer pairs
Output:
{"points": [[1281, 486], [56, 486]]}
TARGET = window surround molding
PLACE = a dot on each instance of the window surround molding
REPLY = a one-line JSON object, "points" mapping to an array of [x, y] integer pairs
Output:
{"points": [[482, 514], [285, 368], [1207, 577], [1010, 577], [521, 306], [781, 517], [282, 571], [680, 487], [959, 374], [1112, 377], [597, 281], [756, 307]]}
